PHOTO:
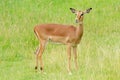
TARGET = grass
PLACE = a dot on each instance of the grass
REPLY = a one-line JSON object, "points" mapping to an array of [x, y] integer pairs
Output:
{"points": [[98, 52]]}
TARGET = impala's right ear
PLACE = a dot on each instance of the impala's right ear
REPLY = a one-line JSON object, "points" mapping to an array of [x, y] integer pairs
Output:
{"points": [[73, 10]]}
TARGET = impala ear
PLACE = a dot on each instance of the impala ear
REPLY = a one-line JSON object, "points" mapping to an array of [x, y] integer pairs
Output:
{"points": [[88, 10], [73, 10]]}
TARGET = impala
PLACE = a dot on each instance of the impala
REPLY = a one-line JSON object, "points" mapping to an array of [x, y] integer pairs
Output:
{"points": [[65, 34]]}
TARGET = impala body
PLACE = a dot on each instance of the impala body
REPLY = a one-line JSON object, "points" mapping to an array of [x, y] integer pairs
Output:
{"points": [[65, 34]]}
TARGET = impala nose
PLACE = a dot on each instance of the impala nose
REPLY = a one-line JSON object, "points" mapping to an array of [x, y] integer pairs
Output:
{"points": [[76, 21]]}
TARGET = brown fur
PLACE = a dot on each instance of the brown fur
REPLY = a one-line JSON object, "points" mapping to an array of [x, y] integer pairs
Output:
{"points": [[58, 33], [66, 34]]}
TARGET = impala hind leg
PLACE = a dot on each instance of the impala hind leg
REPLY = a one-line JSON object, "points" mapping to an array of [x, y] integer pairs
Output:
{"points": [[36, 53], [39, 55]]}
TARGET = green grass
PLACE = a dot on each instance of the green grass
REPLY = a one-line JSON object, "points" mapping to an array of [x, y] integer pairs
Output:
{"points": [[98, 52]]}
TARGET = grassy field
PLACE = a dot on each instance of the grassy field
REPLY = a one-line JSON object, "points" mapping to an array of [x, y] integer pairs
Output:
{"points": [[98, 52]]}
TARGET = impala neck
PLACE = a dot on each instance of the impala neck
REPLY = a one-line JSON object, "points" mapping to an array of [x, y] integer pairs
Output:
{"points": [[80, 29], [81, 25]]}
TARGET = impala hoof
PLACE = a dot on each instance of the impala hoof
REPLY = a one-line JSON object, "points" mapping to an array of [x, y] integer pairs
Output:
{"points": [[35, 67], [41, 68]]}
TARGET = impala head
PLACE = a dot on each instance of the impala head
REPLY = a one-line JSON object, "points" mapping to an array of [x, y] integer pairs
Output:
{"points": [[80, 14]]}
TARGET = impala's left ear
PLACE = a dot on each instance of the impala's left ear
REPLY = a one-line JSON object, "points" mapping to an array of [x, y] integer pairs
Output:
{"points": [[73, 10], [88, 10]]}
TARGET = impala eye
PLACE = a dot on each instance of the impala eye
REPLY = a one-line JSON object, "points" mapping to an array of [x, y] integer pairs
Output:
{"points": [[82, 14]]}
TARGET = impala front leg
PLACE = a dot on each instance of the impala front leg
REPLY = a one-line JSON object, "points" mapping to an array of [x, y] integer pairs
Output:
{"points": [[69, 58], [75, 56]]}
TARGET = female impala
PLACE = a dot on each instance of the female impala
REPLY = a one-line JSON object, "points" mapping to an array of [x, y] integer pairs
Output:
{"points": [[66, 34]]}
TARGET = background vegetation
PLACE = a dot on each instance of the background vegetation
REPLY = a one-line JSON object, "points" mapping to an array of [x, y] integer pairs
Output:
{"points": [[98, 52]]}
